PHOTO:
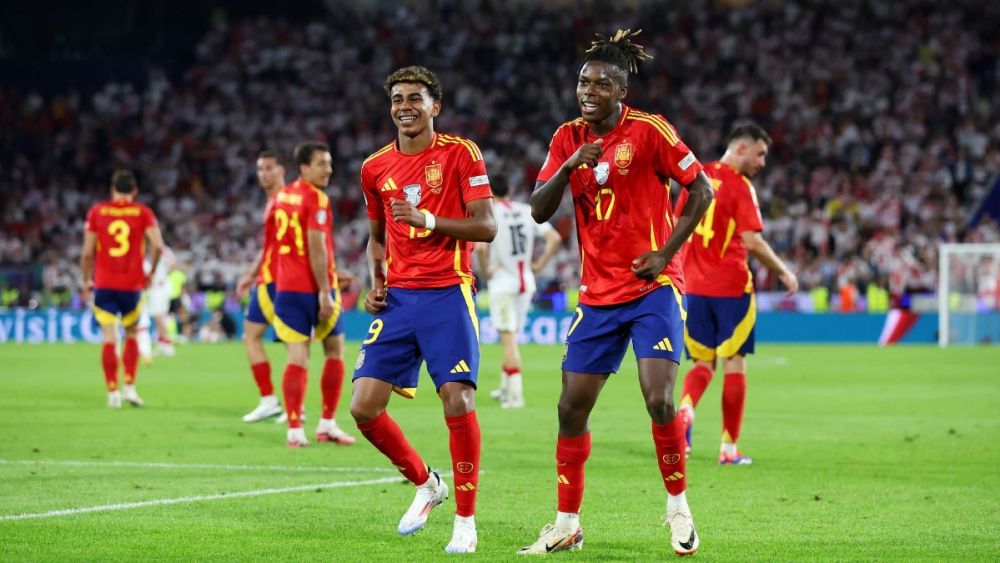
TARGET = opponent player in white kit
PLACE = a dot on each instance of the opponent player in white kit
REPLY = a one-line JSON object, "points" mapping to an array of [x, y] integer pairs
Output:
{"points": [[156, 307], [510, 270]]}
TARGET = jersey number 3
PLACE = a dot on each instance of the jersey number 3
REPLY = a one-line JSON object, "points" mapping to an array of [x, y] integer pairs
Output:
{"points": [[119, 230]]}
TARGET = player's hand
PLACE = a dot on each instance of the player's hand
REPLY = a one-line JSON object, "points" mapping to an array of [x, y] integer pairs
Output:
{"points": [[243, 286], [85, 291], [375, 300], [325, 305], [344, 280], [790, 281], [588, 153], [146, 280], [649, 265], [405, 212], [537, 266]]}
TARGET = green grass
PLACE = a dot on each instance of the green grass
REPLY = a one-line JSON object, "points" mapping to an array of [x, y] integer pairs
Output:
{"points": [[860, 453]]}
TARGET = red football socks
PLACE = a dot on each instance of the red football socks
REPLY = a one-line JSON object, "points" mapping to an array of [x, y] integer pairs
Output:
{"points": [[734, 393], [464, 440], [511, 371], [331, 385], [294, 387], [695, 383], [388, 438], [130, 359], [109, 360], [571, 456], [262, 375], [669, 442]]}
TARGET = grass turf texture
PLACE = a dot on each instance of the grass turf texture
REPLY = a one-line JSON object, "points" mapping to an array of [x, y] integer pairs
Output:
{"points": [[860, 453]]}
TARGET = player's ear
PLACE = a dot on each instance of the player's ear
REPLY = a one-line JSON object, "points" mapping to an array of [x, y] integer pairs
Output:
{"points": [[435, 108]]}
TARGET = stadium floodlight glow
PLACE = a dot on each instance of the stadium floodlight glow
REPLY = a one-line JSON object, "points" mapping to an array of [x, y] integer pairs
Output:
{"points": [[968, 293]]}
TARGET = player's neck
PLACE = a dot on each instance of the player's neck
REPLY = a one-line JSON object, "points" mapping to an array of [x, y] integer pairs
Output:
{"points": [[729, 159], [604, 126], [115, 196], [418, 143]]}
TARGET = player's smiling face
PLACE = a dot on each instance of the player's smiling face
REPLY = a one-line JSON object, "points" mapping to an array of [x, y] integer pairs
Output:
{"points": [[413, 107], [319, 169], [599, 90]]}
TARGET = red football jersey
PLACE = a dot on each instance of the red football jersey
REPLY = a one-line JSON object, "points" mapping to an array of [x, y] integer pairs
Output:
{"points": [[298, 207], [441, 179], [269, 265], [715, 263], [623, 205], [120, 227]]}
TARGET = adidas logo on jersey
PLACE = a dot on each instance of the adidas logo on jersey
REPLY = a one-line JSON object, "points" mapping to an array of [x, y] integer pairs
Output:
{"points": [[664, 345], [389, 186], [461, 367]]}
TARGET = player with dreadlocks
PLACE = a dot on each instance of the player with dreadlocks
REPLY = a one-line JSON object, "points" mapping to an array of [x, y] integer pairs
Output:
{"points": [[618, 162]]}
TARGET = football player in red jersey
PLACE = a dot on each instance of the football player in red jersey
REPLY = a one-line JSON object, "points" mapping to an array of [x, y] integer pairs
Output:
{"points": [[260, 277], [429, 201], [722, 310], [618, 162], [118, 234], [307, 301]]}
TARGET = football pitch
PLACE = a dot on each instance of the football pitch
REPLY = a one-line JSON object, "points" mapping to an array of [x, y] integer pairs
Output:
{"points": [[859, 453]]}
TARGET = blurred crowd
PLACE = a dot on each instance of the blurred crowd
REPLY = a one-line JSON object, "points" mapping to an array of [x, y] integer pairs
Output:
{"points": [[885, 118]]}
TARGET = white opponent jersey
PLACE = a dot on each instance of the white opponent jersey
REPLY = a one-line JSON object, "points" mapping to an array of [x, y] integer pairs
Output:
{"points": [[512, 249], [161, 277]]}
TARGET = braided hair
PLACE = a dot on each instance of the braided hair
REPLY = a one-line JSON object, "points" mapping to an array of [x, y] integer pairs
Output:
{"points": [[618, 50]]}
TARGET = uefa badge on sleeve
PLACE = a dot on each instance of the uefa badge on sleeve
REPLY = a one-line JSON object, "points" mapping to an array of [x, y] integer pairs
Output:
{"points": [[321, 217]]}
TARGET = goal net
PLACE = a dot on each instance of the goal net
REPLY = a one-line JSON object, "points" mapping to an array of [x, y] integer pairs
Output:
{"points": [[969, 294]]}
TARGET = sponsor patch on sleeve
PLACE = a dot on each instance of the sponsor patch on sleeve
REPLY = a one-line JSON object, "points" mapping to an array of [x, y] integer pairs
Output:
{"points": [[479, 180], [321, 216], [687, 161]]}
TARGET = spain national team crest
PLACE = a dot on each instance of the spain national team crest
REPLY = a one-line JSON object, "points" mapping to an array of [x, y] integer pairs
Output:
{"points": [[433, 175], [412, 193], [623, 155]]}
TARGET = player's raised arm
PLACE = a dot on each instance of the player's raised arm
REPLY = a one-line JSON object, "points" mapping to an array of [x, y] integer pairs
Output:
{"points": [[375, 299], [479, 226], [547, 195]]}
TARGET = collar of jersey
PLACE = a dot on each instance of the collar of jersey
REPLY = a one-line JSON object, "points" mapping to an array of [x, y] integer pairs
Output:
{"points": [[621, 119], [434, 140]]}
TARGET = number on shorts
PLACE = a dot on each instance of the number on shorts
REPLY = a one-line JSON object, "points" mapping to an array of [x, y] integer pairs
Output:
{"points": [[374, 330]]}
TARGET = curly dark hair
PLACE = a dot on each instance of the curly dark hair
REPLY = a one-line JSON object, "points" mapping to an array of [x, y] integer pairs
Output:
{"points": [[418, 74], [618, 50]]}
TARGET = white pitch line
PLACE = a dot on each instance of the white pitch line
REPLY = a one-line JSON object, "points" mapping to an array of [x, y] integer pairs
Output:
{"points": [[180, 500], [165, 465]]}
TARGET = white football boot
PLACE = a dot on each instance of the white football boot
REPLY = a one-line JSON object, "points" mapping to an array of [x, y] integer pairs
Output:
{"points": [[464, 536], [429, 495], [683, 537], [555, 537], [328, 431], [268, 407], [297, 438], [514, 398], [131, 396], [114, 399]]}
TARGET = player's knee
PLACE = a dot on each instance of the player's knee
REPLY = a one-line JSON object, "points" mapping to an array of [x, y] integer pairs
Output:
{"points": [[572, 417], [364, 413], [661, 408]]}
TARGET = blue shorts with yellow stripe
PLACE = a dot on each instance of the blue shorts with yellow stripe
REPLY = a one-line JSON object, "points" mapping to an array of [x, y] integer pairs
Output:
{"points": [[599, 336], [110, 303], [438, 326], [296, 317], [261, 306], [720, 326]]}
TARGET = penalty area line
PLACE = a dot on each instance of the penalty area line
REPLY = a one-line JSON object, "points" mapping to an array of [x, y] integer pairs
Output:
{"points": [[166, 465], [199, 498]]}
